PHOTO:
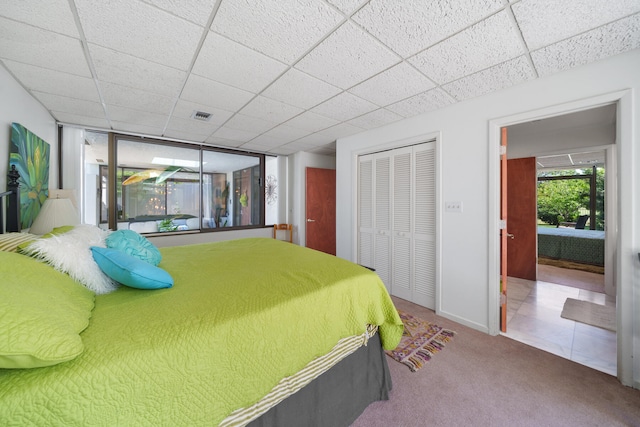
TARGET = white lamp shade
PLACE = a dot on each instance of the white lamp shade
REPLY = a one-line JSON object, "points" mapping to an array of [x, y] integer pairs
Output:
{"points": [[54, 213]]}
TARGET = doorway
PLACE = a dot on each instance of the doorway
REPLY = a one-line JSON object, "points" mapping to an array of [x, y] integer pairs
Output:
{"points": [[539, 302]]}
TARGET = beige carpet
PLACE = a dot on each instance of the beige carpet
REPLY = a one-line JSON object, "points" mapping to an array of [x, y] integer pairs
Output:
{"points": [[602, 316]]}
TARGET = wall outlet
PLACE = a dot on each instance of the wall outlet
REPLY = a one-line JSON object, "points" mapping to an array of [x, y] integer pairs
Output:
{"points": [[453, 207]]}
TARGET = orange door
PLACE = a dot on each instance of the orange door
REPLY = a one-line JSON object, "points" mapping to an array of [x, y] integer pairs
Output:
{"points": [[521, 216], [503, 230], [321, 210]]}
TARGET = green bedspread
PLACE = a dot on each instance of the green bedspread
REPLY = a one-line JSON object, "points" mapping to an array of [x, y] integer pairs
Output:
{"points": [[242, 315]]}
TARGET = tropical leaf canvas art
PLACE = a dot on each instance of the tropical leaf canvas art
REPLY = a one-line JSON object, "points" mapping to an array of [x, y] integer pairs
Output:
{"points": [[30, 155]]}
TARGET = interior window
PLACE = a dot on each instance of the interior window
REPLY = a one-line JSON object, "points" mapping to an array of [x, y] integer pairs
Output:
{"points": [[166, 187]]}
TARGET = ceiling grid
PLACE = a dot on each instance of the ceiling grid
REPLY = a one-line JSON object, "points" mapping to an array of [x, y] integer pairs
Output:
{"points": [[279, 76]]}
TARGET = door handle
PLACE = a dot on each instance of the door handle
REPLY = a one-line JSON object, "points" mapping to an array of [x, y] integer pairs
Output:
{"points": [[311, 220], [511, 236]]}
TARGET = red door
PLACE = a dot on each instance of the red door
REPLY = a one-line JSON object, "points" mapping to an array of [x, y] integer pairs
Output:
{"points": [[522, 218], [321, 210]]}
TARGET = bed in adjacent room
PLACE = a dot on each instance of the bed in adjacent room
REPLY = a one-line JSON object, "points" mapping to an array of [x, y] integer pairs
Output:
{"points": [[570, 244], [245, 331]]}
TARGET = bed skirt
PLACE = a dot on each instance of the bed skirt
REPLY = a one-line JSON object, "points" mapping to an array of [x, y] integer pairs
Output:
{"points": [[339, 396]]}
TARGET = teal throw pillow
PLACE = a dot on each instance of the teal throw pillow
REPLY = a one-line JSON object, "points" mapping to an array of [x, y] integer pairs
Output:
{"points": [[134, 244], [129, 270]]}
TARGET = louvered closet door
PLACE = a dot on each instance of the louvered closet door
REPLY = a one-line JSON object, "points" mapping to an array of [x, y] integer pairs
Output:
{"points": [[366, 230], [401, 254], [382, 218], [424, 240]]}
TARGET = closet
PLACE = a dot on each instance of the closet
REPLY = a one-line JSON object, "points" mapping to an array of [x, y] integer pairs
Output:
{"points": [[397, 220]]}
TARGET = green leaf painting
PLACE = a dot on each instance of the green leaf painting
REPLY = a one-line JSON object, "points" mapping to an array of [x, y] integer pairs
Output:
{"points": [[30, 155]]}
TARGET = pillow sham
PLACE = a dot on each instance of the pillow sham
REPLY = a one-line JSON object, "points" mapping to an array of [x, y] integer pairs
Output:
{"points": [[132, 243], [70, 253], [43, 313], [10, 242], [131, 271]]}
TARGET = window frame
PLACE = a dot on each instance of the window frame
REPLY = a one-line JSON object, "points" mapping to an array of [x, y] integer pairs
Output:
{"points": [[112, 181]]}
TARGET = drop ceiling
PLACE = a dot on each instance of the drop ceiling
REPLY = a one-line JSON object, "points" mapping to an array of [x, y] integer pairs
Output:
{"points": [[281, 76]]}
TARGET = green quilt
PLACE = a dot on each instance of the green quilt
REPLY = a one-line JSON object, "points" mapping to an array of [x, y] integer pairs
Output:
{"points": [[242, 315]]}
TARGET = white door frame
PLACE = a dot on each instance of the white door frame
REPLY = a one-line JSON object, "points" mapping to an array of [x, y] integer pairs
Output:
{"points": [[623, 265]]}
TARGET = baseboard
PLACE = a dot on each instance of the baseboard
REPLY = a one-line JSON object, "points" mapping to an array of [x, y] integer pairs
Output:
{"points": [[463, 321]]}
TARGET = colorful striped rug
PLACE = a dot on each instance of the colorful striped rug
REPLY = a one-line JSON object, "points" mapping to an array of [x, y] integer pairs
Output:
{"points": [[420, 341]]}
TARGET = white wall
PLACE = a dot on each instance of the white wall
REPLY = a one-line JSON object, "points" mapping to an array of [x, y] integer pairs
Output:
{"points": [[298, 163], [17, 105], [465, 148]]}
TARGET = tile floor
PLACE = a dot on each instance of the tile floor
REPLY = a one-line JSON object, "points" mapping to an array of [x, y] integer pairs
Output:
{"points": [[533, 317]]}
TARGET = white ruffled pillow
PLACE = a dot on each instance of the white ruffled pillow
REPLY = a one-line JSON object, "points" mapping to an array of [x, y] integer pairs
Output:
{"points": [[70, 253]]}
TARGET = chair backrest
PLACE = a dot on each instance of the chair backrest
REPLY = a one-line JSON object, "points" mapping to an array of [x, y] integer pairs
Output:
{"points": [[288, 230], [581, 222]]}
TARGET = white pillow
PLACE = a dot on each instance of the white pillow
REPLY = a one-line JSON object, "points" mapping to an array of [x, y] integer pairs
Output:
{"points": [[70, 253]]}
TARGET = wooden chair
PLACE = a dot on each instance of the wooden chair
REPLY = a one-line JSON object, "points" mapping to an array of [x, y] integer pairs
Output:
{"points": [[288, 229]]}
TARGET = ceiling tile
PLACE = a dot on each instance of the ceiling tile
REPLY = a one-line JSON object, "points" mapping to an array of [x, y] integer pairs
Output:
{"points": [[397, 83], [55, 82], [299, 146], [422, 103], [119, 113], [544, 22], [265, 142], [409, 26], [347, 57], [129, 71], [242, 67], [88, 121], [311, 121], [56, 16], [340, 130], [267, 25], [487, 43], [492, 79], [207, 92], [185, 109], [234, 134], [299, 89], [64, 104], [347, 6], [344, 107], [271, 110], [316, 139], [140, 29], [286, 133], [282, 151], [375, 119], [600, 43], [196, 11], [137, 99], [24, 43], [250, 124], [191, 129]]}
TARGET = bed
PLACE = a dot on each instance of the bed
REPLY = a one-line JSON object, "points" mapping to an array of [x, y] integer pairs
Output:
{"points": [[570, 244], [252, 331]]}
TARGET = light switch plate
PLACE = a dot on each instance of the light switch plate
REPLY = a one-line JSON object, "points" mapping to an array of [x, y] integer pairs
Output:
{"points": [[453, 207]]}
